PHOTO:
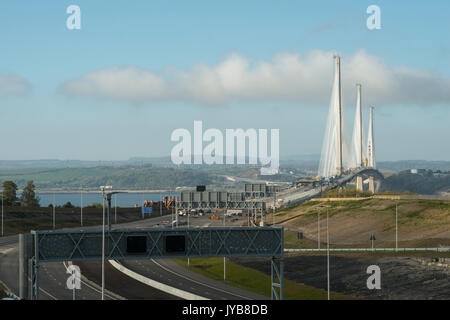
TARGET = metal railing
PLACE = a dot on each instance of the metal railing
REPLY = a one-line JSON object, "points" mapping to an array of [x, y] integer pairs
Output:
{"points": [[370, 250]]}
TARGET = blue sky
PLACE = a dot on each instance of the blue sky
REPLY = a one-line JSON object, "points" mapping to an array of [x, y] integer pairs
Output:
{"points": [[65, 110]]}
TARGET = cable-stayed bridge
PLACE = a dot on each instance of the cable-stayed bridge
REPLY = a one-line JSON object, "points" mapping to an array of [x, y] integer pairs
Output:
{"points": [[342, 159], [338, 154]]}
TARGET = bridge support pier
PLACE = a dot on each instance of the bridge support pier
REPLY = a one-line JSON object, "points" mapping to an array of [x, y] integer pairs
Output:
{"points": [[277, 272], [359, 183], [25, 253], [371, 184], [34, 266]]}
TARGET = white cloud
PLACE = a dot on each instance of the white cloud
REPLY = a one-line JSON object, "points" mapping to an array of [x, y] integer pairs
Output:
{"points": [[12, 85], [287, 77]]}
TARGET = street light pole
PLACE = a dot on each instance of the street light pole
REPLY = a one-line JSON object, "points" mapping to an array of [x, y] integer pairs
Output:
{"points": [[328, 258], [54, 211], [274, 207], [103, 240], [142, 205], [2, 214], [318, 229], [171, 211], [396, 227], [176, 209], [103, 245], [81, 207], [224, 261], [189, 210], [115, 209]]}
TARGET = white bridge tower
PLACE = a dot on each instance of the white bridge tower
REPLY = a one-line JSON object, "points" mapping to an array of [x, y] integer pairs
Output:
{"points": [[334, 157], [371, 144]]}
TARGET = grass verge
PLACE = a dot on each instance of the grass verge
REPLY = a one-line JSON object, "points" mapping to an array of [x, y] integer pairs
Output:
{"points": [[254, 281]]}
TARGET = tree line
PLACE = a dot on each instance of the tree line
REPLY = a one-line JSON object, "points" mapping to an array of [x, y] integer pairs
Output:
{"points": [[426, 183], [28, 197]]}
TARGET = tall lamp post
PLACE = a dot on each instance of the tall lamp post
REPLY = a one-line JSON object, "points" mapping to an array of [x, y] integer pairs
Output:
{"points": [[372, 239], [54, 212], [108, 197], [396, 227], [2, 213], [115, 209], [224, 259], [103, 240], [328, 252], [318, 229], [274, 207], [81, 206], [328, 258]]}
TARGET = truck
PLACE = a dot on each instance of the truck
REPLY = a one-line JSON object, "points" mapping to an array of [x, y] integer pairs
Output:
{"points": [[234, 212]]}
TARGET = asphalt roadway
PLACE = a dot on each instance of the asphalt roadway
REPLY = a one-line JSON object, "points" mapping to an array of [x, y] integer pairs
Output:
{"points": [[53, 275]]}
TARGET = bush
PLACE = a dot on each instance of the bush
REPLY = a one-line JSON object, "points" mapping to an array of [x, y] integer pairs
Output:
{"points": [[95, 205], [68, 205]]}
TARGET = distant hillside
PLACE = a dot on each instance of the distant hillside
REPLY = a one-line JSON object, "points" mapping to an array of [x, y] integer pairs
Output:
{"points": [[426, 183], [145, 177], [308, 163], [55, 163], [160, 173], [413, 164]]}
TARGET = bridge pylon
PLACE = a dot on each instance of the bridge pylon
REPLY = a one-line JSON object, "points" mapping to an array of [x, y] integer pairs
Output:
{"points": [[339, 167], [371, 143], [334, 156], [357, 151]]}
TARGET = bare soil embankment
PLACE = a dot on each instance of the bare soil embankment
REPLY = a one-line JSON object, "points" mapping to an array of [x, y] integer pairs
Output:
{"points": [[420, 222]]}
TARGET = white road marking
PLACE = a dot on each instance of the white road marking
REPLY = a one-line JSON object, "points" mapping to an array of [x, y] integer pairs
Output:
{"points": [[195, 281], [51, 296]]}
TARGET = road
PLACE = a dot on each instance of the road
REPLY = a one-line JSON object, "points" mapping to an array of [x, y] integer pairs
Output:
{"points": [[168, 272], [53, 276], [296, 196]]}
